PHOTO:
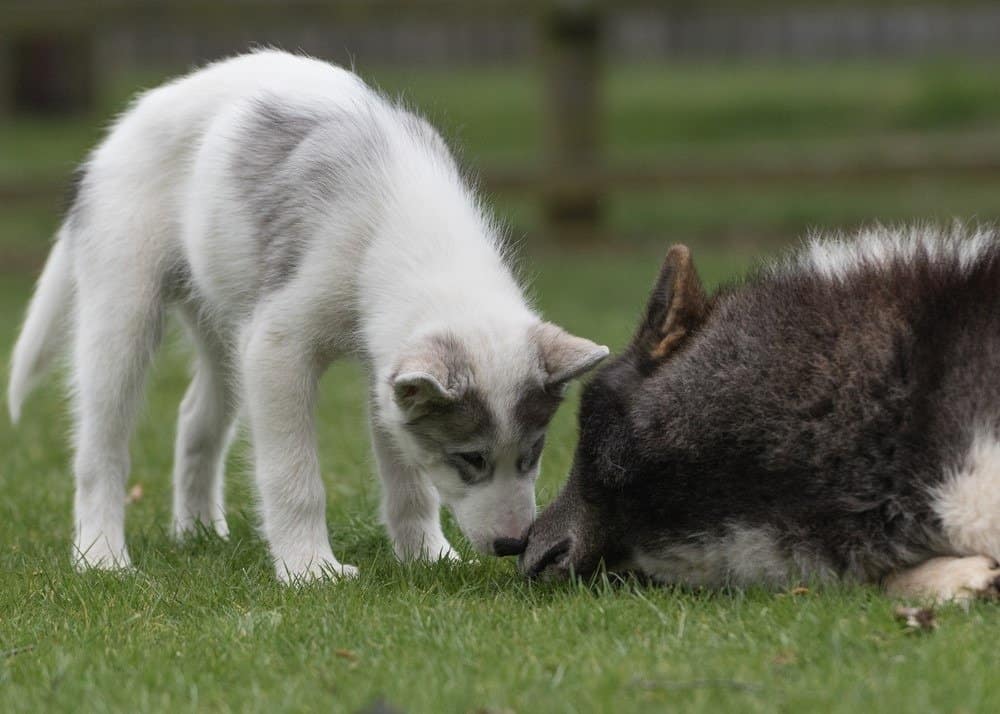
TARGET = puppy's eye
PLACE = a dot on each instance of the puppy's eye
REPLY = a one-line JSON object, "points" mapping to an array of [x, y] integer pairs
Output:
{"points": [[474, 459]]}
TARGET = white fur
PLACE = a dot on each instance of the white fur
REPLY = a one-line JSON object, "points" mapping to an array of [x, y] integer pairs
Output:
{"points": [[836, 257], [41, 334], [404, 254], [947, 579], [742, 556], [968, 502]]}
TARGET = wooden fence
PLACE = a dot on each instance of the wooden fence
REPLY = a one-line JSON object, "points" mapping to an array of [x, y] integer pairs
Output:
{"points": [[47, 64]]}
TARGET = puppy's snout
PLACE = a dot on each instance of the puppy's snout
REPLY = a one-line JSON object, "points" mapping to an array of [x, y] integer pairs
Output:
{"points": [[504, 547], [555, 556]]}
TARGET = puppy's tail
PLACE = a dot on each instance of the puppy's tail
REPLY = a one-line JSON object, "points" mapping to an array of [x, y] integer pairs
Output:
{"points": [[45, 327]]}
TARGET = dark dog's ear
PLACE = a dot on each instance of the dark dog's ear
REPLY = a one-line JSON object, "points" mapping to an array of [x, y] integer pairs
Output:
{"points": [[676, 307]]}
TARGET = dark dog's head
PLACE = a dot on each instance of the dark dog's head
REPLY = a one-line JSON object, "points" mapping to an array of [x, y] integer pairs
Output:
{"points": [[594, 517]]}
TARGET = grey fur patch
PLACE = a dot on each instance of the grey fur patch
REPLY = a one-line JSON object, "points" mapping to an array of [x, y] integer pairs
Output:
{"points": [[450, 361], [270, 141], [534, 409], [449, 424], [293, 161], [469, 473], [467, 424], [441, 357]]}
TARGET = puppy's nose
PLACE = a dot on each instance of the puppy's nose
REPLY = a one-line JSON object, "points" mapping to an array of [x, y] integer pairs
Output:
{"points": [[509, 546]]}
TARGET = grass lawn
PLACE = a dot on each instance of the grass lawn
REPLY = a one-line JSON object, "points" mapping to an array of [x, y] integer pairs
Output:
{"points": [[205, 626]]}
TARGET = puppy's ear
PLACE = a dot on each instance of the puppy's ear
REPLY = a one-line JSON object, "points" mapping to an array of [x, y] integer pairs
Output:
{"points": [[565, 356], [434, 372], [676, 307]]}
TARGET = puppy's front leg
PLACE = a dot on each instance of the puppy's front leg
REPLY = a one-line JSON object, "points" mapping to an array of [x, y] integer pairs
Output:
{"points": [[411, 507], [280, 374]]}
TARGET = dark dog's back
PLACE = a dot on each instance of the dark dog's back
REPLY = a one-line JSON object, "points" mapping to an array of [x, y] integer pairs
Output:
{"points": [[824, 400]]}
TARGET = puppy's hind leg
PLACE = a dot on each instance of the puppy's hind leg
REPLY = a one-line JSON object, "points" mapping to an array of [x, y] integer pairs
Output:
{"points": [[204, 432], [118, 327], [948, 579]]}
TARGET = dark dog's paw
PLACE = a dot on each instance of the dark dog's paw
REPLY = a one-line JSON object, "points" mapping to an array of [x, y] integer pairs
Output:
{"points": [[948, 580]]}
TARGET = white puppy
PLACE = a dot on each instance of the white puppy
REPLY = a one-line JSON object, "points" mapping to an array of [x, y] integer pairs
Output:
{"points": [[293, 215]]}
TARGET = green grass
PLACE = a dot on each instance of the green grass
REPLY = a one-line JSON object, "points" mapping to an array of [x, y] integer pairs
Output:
{"points": [[205, 626]]}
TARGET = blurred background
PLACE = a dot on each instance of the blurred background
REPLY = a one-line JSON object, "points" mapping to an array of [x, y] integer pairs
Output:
{"points": [[602, 131]]}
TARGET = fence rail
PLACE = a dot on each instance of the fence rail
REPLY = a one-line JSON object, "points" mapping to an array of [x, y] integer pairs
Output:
{"points": [[47, 62], [605, 179]]}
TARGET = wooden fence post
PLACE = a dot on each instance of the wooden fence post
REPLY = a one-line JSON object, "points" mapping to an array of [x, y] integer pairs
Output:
{"points": [[49, 73], [571, 45], [6, 76]]}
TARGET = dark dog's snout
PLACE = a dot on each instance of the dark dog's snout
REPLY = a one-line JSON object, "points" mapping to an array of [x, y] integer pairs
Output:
{"points": [[504, 547], [552, 556]]}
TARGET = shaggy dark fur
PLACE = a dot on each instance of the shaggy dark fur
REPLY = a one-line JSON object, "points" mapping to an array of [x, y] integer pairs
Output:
{"points": [[812, 409]]}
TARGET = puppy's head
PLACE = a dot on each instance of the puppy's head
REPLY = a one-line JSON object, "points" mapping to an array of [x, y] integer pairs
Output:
{"points": [[470, 411]]}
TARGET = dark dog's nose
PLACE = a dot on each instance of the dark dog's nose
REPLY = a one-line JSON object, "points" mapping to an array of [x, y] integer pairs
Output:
{"points": [[509, 546], [552, 556]]}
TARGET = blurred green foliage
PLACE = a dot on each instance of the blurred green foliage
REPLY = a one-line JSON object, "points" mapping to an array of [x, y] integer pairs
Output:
{"points": [[720, 116]]}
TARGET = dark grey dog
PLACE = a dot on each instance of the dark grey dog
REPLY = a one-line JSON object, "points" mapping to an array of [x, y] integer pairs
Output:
{"points": [[834, 415]]}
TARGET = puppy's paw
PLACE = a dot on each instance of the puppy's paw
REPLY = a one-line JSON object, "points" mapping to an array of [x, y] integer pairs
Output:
{"points": [[314, 569], [425, 549], [186, 528], [948, 580], [99, 555], [445, 553], [343, 571]]}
